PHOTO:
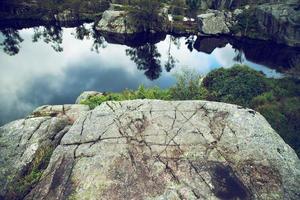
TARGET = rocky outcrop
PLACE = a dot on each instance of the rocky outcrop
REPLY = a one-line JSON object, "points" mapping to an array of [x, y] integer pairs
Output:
{"points": [[126, 22], [86, 95], [280, 22], [214, 22], [232, 4], [150, 149], [62, 12], [116, 22], [277, 22], [26, 146]]}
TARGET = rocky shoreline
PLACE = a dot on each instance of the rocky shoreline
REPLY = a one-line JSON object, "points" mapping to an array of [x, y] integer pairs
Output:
{"points": [[276, 21]]}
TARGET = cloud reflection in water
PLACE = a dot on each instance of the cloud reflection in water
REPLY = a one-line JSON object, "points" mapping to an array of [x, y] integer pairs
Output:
{"points": [[38, 75]]}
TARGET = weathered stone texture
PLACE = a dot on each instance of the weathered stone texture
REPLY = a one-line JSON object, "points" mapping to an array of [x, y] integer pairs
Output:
{"points": [[149, 149]]}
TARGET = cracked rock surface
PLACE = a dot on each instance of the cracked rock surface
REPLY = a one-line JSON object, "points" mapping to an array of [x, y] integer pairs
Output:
{"points": [[22, 141], [151, 149]]}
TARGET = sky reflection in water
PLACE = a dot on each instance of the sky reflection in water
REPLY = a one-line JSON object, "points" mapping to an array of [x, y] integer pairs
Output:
{"points": [[38, 75]]}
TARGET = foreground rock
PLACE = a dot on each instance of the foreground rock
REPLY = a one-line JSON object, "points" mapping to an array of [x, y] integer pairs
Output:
{"points": [[26, 146], [149, 149]]}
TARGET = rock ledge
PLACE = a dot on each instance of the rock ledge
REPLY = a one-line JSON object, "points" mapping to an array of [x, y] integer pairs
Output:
{"points": [[151, 149]]}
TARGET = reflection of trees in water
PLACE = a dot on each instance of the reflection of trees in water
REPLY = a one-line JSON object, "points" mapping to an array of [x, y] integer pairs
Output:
{"points": [[190, 41], [50, 35], [82, 32], [146, 58], [11, 42], [239, 55], [99, 41], [171, 61]]}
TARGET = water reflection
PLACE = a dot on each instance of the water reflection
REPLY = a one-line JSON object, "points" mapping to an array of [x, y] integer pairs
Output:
{"points": [[146, 58], [50, 35], [38, 75], [82, 32], [11, 41]]}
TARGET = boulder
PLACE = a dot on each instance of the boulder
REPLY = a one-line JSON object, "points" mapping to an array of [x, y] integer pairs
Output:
{"points": [[213, 22], [151, 149], [86, 95], [116, 22], [26, 146]]}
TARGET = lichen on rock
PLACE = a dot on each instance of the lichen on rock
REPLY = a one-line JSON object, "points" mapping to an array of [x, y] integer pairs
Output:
{"points": [[150, 149]]}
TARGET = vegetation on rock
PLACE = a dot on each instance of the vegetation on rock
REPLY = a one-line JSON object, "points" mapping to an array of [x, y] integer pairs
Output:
{"points": [[31, 174]]}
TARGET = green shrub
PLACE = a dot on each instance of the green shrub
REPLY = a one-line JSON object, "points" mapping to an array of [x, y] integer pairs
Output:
{"points": [[188, 86], [140, 93], [264, 98], [237, 85], [278, 100]]}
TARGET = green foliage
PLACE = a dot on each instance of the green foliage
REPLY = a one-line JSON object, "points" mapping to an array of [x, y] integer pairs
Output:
{"points": [[188, 86], [281, 107], [140, 93], [237, 85], [278, 100]]}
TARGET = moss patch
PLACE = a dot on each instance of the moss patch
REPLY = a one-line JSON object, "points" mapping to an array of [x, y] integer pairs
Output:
{"points": [[30, 175]]}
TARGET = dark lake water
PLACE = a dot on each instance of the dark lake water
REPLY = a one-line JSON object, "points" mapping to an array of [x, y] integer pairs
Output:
{"points": [[47, 66]]}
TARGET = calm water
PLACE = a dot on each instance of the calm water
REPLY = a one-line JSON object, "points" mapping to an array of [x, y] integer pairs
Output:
{"points": [[60, 64]]}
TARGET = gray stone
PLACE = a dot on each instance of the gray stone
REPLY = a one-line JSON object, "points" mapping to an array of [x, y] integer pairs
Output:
{"points": [[25, 142], [280, 21], [213, 22], [116, 22], [150, 149], [87, 94]]}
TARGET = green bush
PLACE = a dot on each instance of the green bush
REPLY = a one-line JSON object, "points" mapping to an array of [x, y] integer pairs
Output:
{"points": [[188, 86], [140, 93], [237, 85], [278, 100]]}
